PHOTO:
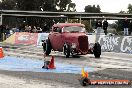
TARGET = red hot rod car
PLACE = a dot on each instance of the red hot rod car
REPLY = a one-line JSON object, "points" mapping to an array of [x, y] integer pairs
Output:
{"points": [[71, 39]]}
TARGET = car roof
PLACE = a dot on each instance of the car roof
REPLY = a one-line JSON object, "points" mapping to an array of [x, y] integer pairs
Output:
{"points": [[68, 24]]}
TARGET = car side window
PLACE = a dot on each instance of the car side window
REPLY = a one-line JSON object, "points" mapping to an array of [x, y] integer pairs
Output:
{"points": [[55, 29], [59, 30]]}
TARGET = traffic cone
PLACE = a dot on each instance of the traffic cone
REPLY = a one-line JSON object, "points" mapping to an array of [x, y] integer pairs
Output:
{"points": [[51, 64], [84, 80], [1, 52], [84, 74]]}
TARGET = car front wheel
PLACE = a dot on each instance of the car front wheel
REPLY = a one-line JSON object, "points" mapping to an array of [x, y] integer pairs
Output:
{"points": [[48, 47]]}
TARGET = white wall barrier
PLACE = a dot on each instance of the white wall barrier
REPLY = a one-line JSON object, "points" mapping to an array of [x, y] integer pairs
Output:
{"points": [[108, 43], [116, 43], [41, 36]]}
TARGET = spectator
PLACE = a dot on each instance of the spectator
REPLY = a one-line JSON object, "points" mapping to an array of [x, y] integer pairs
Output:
{"points": [[34, 29], [1, 32], [105, 25], [27, 28], [7, 31], [17, 29], [98, 26], [126, 26], [39, 30], [130, 28]]}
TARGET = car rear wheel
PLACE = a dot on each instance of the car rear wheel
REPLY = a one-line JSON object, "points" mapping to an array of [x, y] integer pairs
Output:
{"points": [[48, 47], [97, 50], [66, 50]]}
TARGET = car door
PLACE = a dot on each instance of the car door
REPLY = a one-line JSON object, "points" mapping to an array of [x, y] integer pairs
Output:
{"points": [[52, 38], [56, 41], [59, 39]]}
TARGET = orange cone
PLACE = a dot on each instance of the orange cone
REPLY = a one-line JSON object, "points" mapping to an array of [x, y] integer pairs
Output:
{"points": [[51, 64], [1, 53], [84, 74]]}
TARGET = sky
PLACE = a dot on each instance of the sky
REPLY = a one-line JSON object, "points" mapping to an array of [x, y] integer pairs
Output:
{"points": [[113, 6]]}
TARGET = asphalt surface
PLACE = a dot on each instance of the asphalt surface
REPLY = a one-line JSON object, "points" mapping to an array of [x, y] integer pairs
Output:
{"points": [[110, 66]]}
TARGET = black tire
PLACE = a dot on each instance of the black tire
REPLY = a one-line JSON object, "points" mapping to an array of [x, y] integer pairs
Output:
{"points": [[66, 50], [97, 50], [48, 47], [85, 81]]}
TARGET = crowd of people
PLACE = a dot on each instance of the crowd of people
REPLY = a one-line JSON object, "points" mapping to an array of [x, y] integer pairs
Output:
{"points": [[33, 29], [6, 30], [126, 26], [100, 26]]}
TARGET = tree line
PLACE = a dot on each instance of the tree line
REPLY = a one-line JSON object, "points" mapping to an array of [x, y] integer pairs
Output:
{"points": [[51, 5], [38, 5]]}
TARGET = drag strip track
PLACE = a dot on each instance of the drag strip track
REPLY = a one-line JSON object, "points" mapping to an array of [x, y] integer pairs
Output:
{"points": [[87, 60], [107, 67], [49, 78], [57, 80]]}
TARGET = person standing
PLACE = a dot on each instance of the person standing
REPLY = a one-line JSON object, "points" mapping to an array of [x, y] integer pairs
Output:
{"points": [[105, 25], [126, 26], [130, 28], [1, 32], [98, 26]]}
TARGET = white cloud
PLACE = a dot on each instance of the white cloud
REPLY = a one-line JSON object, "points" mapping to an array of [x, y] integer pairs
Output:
{"points": [[114, 6]]}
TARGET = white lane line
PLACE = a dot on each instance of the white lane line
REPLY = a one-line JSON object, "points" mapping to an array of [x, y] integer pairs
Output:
{"points": [[114, 62]]}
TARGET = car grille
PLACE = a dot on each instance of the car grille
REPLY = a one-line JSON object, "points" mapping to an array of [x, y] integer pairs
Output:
{"points": [[83, 43]]}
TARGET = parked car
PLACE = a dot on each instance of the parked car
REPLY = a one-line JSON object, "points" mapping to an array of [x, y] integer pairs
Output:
{"points": [[71, 39]]}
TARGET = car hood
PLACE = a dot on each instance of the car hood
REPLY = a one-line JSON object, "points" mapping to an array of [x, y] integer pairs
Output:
{"points": [[73, 37]]}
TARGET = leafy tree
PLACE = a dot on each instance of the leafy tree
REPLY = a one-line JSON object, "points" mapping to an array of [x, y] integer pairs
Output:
{"points": [[98, 9], [26, 4], [129, 8], [87, 25], [43, 5], [62, 4], [119, 23], [71, 7], [48, 5], [7, 4], [92, 9], [37, 5]]}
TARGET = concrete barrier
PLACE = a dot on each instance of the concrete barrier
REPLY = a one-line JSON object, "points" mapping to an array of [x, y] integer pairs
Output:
{"points": [[11, 39], [116, 43], [108, 43], [42, 36]]}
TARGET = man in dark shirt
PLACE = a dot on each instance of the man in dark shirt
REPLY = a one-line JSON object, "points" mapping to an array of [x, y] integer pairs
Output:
{"points": [[98, 26], [105, 25], [2, 29], [126, 26], [130, 28]]}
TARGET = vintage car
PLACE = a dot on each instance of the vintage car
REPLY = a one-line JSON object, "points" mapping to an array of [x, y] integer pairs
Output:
{"points": [[71, 39]]}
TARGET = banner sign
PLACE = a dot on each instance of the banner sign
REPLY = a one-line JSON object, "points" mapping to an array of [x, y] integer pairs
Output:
{"points": [[26, 38]]}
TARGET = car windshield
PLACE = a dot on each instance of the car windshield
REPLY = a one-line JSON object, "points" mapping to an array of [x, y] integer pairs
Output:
{"points": [[74, 29]]}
